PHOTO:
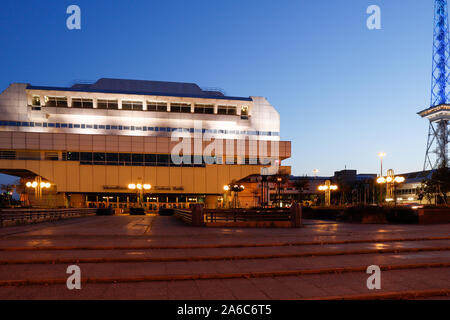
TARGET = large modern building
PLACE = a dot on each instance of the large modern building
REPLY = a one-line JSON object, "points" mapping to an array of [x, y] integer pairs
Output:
{"points": [[87, 144]]}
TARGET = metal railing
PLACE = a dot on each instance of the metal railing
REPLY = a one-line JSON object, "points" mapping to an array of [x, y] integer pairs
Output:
{"points": [[247, 215], [184, 215], [200, 216], [40, 215]]}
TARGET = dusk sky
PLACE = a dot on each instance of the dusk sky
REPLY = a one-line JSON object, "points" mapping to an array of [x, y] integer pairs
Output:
{"points": [[344, 92]]}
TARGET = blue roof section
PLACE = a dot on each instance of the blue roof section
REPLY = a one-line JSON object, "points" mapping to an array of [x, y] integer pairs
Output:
{"points": [[144, 87]]}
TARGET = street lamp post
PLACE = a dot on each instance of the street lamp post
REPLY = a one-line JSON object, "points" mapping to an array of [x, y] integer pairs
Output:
{"points": [[38, 185], [279, 179], [391, 182], [381, 155], [327, 188], [139, 187], [235, 188]]}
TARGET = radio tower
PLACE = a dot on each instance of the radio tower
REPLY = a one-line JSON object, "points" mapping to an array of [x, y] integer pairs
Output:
{"points": [[439, 111]]}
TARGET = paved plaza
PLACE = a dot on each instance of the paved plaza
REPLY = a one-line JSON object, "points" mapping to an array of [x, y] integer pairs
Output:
{"points": [[156, 257]]}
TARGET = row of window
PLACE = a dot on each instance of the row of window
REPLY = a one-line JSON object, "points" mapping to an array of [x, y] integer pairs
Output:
{"points": [[406, 191], [131, 159], [131, 128], [147, 198], [121, 159], [148, 160], [137, 106]]}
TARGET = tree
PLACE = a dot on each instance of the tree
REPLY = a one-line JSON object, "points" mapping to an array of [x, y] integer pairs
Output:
{"points": [[437, 185], [8, 191]]}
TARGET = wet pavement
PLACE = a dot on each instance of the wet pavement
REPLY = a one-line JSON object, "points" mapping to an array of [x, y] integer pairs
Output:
{"points": [[145, 257]]}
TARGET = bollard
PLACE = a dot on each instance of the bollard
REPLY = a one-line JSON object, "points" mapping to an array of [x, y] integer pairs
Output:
{"points": [[197, 215], [296, 215]]}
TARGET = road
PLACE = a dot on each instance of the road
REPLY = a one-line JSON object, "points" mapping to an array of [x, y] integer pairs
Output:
{"points": [[153, 257]]}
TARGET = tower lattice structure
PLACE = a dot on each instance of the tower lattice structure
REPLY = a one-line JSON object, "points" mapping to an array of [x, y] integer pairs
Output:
{"points": [[438, 113]]}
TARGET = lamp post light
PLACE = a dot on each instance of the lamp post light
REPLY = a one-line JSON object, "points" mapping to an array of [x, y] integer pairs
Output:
{"points": [[235, 188], [391, 182], [139, 187], [381, 155], [315, 171], [327, 188], [38, 185], [279, 179]]}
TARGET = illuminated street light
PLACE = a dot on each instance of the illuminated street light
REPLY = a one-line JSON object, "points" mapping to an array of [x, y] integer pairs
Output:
{"points": [[34, 185], [381, 155], [381, 180], [235, 188], [391, 183], [328, 187], [139, 187], [38, 185]]}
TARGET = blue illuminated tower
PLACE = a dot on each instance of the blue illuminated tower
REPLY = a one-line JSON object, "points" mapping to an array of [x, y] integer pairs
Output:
{"points": [[440, 78], [439, 111]]}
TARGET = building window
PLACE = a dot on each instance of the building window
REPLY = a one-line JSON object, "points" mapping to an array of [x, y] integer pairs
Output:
{"points": [[132, 105], [163, 160], [229, 110], [51, 155], [36, 101], [55, 101], [112, 159], [125, 159], [107, 104], [73, 156], [99, 158], [82, 103], [157, 106], [180, 107], [204, 108], [244, 113], [150, 159], [137, 159]]}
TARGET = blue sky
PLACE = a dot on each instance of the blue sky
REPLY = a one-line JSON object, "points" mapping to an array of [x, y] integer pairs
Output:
{"points": [[344, 92]]}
